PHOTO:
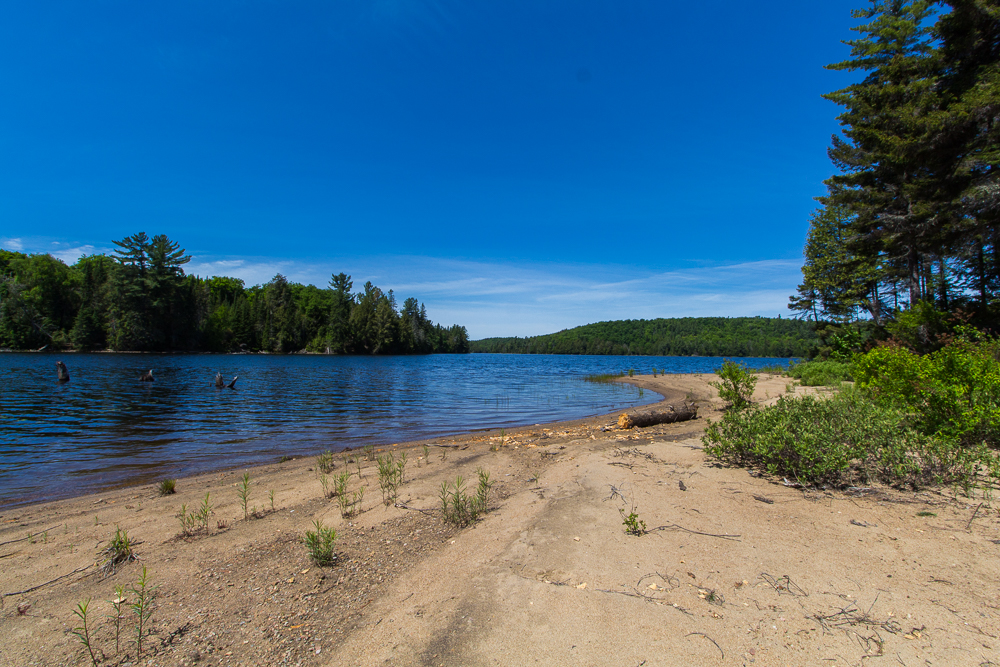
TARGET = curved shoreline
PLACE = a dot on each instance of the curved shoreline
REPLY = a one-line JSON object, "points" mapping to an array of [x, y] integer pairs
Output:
{"points": [[535, 578], [460, 436]]}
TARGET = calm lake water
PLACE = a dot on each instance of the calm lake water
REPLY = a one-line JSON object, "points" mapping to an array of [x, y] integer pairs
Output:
{"points": [[104, 428]]}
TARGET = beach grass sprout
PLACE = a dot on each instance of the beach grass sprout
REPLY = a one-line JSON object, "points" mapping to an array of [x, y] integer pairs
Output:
{"points": [[142, 608], [458, 507], [205, 511], [325, 461], [118, 551], [82, 633], [168, 486], [243, 491], [320, 543], [117, 616]]}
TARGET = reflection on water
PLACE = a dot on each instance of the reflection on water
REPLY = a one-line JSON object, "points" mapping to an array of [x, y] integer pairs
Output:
{"points": [[106, 428]]}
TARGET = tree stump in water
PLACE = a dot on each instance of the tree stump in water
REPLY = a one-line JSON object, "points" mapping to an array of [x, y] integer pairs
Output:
{"points": [[653, 417]]}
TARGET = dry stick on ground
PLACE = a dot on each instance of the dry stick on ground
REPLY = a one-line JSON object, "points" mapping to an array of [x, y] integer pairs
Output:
{"points": [[674, 526], [969, 525], [35, 588], [29, 536], [404, 506], [784, 584], [702, 634]]}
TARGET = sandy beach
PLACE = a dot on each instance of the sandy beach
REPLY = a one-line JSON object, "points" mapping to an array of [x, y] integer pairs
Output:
{"points": [[734, 568]]}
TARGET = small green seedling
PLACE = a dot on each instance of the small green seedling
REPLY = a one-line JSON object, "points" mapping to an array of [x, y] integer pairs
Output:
{"points": [[168, 486], [243, 491], [633, 524], [320, 544], [325, 461], [205, 511], [116, 617], [118, 551], [142, 608], [82, 633]]}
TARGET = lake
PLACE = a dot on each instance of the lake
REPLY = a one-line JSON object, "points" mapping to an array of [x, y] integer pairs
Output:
{"points": [[105, 429]]}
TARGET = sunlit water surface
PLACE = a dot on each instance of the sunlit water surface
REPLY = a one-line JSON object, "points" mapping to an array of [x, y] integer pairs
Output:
{"points": [[104, 428]]}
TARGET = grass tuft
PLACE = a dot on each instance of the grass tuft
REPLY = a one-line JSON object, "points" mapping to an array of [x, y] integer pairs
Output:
{"points": [[118, 551], [168, 486], [320, 544]]}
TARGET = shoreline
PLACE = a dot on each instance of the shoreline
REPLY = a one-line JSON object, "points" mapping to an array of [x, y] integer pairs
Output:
{"points": [[461, 437], [732, 568]]}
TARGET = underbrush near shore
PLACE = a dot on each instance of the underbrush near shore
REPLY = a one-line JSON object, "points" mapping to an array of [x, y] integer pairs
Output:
{"points": [[846, 439], [912, 421], [821, 373]]}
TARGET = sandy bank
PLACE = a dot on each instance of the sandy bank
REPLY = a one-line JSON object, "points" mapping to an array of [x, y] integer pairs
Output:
{"points": [[736, 569]]}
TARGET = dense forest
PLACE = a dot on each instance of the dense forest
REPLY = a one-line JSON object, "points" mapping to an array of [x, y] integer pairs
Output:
{"points": [[907, 235], [687, 336], [139, 298]]}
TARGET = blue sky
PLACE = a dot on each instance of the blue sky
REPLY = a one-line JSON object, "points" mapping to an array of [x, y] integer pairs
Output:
{"points": [[519, 166]]}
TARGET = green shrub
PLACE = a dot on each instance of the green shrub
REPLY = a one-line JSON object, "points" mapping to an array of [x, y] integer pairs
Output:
{"points": [[821, 373], [842, 440], [954, 392], [735, 384]]}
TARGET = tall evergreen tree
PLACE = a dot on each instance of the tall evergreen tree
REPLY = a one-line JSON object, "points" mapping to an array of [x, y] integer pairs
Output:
{"points": [[889, 168]]}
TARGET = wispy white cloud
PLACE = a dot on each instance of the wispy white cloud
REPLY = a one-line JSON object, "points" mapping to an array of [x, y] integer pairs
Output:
{"points": [[12, 244], [498, 298], [71, 254], [515, 299]]}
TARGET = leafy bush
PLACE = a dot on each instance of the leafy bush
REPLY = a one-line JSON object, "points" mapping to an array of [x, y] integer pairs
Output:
{"points": [[821, 373], [953, 392], [842, 440], [735, 384]]}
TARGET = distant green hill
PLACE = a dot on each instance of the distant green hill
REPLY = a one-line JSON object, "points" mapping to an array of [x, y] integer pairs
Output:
{"points": [[683, 336]]}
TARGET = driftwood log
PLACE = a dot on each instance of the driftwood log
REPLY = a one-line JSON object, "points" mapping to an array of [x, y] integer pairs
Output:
{"points": [[653, 417]]}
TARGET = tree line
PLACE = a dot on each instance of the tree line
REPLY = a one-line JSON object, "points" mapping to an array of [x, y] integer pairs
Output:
{"points": [[687, 336], [910, 221], [139, 299]]}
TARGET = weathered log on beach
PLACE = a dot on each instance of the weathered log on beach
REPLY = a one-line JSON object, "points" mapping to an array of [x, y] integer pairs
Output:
{"points": [[653, 417]]}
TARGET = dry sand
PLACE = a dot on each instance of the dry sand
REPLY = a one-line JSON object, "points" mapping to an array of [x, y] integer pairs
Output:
{"points": [[736, 569]]}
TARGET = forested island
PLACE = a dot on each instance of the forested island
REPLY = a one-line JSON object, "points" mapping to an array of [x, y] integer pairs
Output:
{"points": [[684, 336], [139, 299]]}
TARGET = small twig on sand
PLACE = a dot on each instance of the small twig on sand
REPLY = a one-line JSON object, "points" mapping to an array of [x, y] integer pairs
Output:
{"points": [[784, 585], [29, 536], [969, 525], [702, 634], [404, 506], [674, 526], [35, 588]]}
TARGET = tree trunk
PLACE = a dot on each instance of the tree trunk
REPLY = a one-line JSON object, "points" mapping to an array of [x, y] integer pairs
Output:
{"points": [[913, 269], [653, 417]]}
